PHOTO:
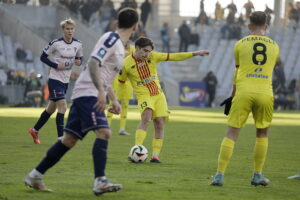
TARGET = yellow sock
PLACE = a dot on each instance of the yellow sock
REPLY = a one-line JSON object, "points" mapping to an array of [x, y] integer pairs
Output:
{"points": [[156, 145], [109, 117], [260, 153], [123, 116], [225, 154], [140, 136]]}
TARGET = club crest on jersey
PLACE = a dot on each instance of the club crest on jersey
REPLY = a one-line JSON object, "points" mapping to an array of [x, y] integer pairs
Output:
{"points": [[101, 53]]}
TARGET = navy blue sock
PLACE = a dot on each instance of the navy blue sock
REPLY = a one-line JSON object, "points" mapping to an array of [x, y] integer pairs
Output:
{"points": [[54, 154], [42, 120], [99, 156], [60, 124]]}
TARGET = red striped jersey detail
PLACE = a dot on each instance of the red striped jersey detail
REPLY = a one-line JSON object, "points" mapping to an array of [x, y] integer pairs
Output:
{"points": [[144, 73]]}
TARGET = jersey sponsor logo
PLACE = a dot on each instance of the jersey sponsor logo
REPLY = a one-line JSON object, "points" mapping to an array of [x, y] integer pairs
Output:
{"points": [[65, 49], [67, 57], [147, 80], [101, 53], [257, 76]]}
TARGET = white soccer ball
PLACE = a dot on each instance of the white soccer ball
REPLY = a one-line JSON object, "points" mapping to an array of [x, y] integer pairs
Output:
{"points": [[138, 154]]}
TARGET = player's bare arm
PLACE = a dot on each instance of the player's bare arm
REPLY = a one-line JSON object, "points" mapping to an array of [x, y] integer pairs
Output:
{"points": [[116, 107], [61, 66], [93, 66], [77, 62], [201, 53]]}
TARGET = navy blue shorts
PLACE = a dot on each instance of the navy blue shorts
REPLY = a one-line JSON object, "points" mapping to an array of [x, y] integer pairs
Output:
{"points": [[57, 90], [83, 117]]}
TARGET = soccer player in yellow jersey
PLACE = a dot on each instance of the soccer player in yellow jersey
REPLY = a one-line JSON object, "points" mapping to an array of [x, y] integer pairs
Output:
{"points": [[255, 58], [124, 93], [141, 69]]}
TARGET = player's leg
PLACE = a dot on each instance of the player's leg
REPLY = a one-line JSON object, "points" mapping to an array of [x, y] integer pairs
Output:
{"points": [[61, 104], [35, 178], [225, 154], [51, 107], [61, 110], [146, 107], [160, 115], [101, 185], [157, 141], [56, 152], [123, 117], [239, 112], [142, 127], [260, 153], [262, 115]]}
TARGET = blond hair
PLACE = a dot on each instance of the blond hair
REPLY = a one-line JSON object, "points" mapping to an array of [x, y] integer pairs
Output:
{"points": [[67, 21]]}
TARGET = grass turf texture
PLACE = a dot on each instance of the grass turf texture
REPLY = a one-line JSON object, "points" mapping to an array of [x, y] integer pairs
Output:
{"points": [[189, 156]]}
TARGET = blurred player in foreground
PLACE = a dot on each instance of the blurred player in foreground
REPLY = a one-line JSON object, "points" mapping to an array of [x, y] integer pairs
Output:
{"points": [[89, 103]]}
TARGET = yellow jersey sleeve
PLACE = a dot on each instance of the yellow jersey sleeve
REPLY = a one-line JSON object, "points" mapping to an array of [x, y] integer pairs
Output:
{"points": [[158, 56], [236, 54], [122, 77], [180, 56]]}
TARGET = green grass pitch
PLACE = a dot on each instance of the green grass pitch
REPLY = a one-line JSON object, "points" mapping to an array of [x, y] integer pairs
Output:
{"points": [[189, 156]]}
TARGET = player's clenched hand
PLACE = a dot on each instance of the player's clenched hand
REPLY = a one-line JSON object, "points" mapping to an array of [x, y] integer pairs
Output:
{"points": [[116, 108], [77, 62], [101, 102], [201, 53], [61, 66], [227, 102]]}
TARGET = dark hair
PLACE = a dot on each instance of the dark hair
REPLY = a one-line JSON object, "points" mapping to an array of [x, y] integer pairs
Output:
{"points": [[143, 42], [127, 17], [258, 18]]}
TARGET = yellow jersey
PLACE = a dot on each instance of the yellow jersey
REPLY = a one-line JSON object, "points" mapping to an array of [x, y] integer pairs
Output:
{"points": [[143, 74], [124, 91], [255, 58]]}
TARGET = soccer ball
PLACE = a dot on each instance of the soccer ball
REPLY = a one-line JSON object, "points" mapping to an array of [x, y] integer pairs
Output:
{"points": [[138, 154]]}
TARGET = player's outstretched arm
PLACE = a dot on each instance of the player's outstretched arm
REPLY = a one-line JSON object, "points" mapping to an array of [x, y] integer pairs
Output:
{"points": [[201, 53], [185, 55]]}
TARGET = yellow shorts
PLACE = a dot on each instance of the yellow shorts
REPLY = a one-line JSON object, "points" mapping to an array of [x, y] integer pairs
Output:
{"points": [[158, 104], [260, 105]]}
